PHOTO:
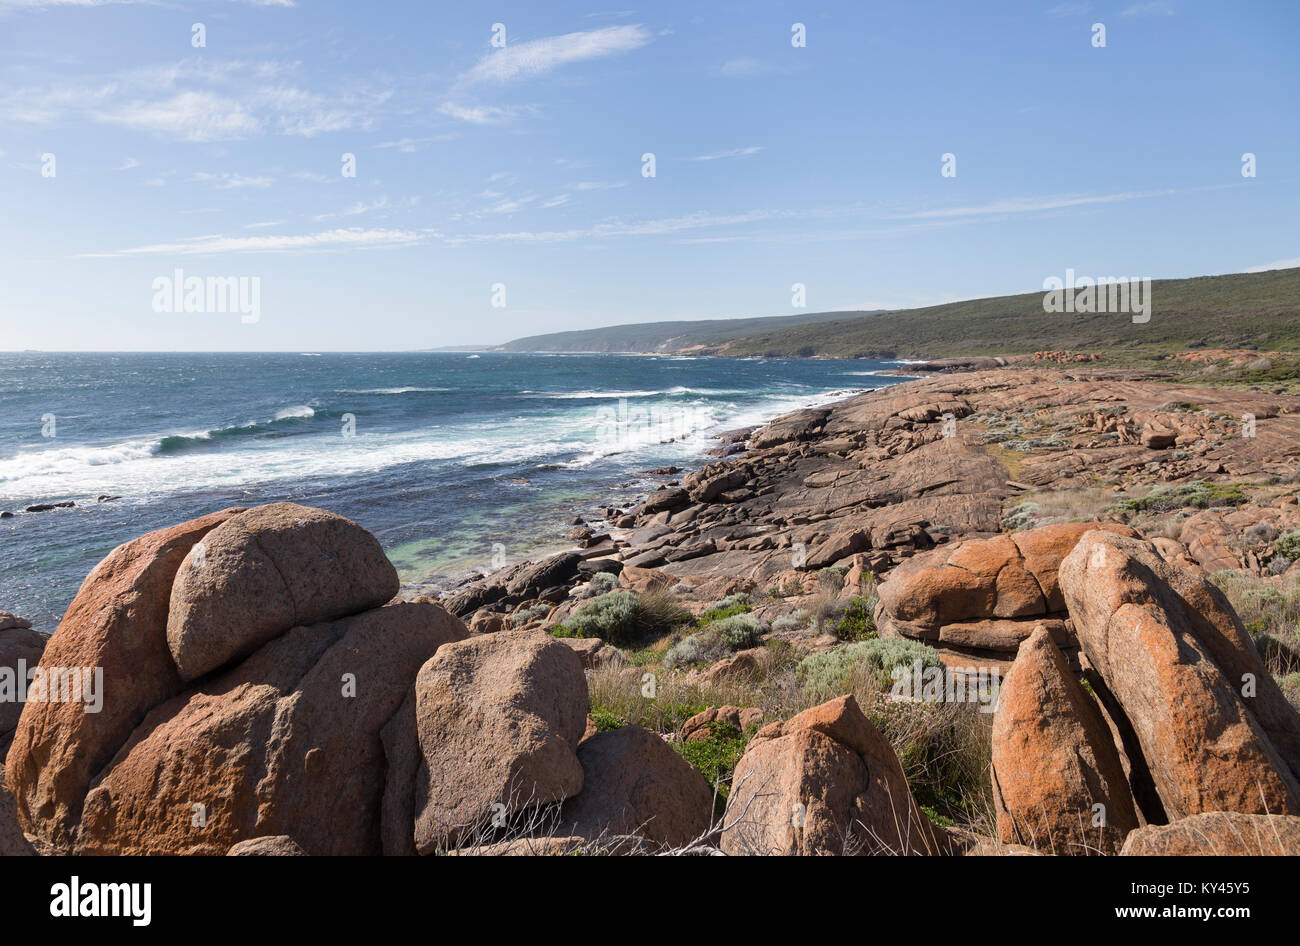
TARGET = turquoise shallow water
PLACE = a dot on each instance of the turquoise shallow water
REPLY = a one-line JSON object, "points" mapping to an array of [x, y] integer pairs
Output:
{"points": [[447, 457]]}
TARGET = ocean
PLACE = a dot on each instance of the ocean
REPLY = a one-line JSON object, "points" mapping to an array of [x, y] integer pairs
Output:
{"points": [[450, 459]]}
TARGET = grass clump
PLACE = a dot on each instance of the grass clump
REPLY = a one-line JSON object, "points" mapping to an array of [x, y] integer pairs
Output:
{"points": [[624, 618]]}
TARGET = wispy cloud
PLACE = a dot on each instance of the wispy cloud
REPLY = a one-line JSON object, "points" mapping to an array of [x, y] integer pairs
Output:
{"points": [[229, 180], [1153, 8], [1017, 205], [197, 101], [744, 68], [411, 145], [353, 238], [1062, 10], [484, 114], [733, 153], [127, 164], [539, 56]]}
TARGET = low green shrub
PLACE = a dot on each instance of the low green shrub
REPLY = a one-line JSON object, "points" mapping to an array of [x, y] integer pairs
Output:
{"points": [[739, 631], [622, 617], [835, 672]]}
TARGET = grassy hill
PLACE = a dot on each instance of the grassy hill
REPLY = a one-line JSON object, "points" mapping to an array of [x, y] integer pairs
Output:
{"points": [[667, 336], [1243, 310]]}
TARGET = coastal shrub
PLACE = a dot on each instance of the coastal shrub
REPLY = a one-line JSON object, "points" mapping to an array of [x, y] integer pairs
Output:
{"points": [[727, 607], [836, 672], [856, 620], [945, 749], [683, 589], [696, 649], [1288, 546], [599, 584], [622, 617], [605, 720], [1199, 495], [739, 631], [795, 621], [1265, 606], [716, 757], [831, 578], [528, 615]]}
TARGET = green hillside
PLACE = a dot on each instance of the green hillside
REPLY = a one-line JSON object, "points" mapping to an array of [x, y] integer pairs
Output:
{"points": [[667, 336], [1243, 310]]}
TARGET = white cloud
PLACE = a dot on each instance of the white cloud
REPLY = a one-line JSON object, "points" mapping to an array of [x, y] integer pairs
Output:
{"points": [[1276, 264], [353, 238], [539, 56], [128, 163], [598, 185], [733, 153]]}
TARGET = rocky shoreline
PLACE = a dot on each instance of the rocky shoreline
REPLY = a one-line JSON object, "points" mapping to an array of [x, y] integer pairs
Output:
{"points": [[1097, 569]]}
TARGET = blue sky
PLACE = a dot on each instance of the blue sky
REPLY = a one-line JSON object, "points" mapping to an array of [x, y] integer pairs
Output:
{"points": [[478, 165]]}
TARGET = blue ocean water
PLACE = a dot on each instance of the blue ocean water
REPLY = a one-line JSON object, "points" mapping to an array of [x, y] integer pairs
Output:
{"points": [[446, 457]]}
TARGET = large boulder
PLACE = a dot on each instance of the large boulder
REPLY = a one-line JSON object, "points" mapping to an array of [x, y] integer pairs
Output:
{"points": [[287, 742], [634, 783], [12, 841], [1211, 725], [266, 570], [276, 845], [983, 594], [824, 782], [20, 652], [498, 719], [1218, 834], [1058, 783], [117, 623]]}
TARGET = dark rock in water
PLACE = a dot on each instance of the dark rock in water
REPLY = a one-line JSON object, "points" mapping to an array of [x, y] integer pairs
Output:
{"points": [[6, 515], [106, 498], [46, 507], [665, 471], [578, 533]]}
